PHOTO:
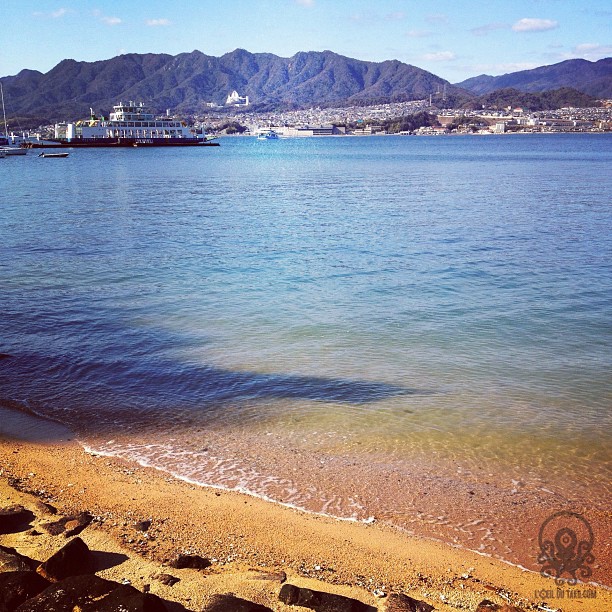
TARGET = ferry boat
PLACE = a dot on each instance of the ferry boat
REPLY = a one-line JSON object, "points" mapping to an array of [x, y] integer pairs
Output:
{"points": [[129, 125], [268, 135]]}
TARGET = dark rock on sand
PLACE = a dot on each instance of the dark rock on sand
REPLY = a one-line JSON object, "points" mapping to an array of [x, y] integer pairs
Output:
{"points": [[321, 601], [12, 561], [126, 598], [142, 525], [14, 518], [89, 593], [488, 606], [45, 508], [69, 593], [68, 525], [166, 579], [231, 603], [73, 559], [190, 562], [17, 587], [398, 602]]}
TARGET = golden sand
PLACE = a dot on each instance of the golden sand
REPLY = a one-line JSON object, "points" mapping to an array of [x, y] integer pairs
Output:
{"points": [[246, 538]]}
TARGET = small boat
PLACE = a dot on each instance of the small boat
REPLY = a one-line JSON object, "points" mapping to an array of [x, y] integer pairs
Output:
{"points": [[5, 148], [268, 135], [53, 154]]}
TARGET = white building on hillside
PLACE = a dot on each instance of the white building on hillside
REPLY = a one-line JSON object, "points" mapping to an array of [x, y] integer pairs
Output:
{"points": [[235, 99]]}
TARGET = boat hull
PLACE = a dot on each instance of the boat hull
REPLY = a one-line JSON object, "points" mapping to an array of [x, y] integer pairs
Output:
{"points": [[13, 151], [123, 142]]}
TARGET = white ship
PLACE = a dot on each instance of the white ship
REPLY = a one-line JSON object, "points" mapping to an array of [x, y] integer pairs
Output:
{"points": [[128, 125]]}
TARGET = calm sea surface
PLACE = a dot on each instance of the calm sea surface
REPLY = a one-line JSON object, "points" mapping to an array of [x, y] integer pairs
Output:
{"points": [[349, 325]]}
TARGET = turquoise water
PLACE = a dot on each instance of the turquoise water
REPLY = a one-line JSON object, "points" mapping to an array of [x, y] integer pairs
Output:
{"points": [[302, 318]]}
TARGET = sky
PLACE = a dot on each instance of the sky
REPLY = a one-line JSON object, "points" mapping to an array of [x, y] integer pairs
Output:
{"points": [[454, 39]]}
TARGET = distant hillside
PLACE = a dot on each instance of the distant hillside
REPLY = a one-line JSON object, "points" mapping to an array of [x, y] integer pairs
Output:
{"points": [[546, 100], [592, 78], [186, 82]]}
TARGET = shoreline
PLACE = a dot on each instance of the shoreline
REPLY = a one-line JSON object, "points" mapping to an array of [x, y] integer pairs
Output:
{"points": [[242, 534]]}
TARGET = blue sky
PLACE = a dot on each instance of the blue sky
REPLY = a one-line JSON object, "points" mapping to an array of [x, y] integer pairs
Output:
{"points": [[454, 39]]}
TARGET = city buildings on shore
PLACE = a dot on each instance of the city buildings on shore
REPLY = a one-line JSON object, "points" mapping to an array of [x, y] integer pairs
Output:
{"points": [[369, 120]]}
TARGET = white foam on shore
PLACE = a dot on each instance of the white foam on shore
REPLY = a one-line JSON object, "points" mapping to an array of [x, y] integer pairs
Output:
{"points": [[237, 489], [30, 427]]}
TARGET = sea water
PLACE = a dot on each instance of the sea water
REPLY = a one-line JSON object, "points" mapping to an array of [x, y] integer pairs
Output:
{"points": [[412, 329]]}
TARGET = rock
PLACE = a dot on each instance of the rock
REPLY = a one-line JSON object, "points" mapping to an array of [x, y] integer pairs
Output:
{"points": [[231, 603], [14, 518], [69, 593], [190, 561], [488, 606], [17, 587], [68, 525], [142, 525], [12, 561], [126, 598], [73, 559], [398, 602], [166, 579], [319, 600], [45, 508]]}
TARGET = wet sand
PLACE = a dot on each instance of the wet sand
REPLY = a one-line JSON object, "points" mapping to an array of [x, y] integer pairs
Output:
{"points": [[243, 536], [492, 508]]}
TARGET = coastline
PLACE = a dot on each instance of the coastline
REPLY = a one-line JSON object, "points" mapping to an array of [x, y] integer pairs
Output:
{"points": [[243, 535]]}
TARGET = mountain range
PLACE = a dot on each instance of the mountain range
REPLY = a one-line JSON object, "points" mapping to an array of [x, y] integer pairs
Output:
{"points": [[187, 82], [593, 78]]}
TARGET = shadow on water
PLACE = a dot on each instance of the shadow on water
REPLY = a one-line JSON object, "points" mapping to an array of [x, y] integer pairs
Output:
{"points": [[202, 383], [149, 385]]}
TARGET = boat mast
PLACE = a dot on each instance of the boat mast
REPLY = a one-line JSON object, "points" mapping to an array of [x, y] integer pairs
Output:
{"points": [[3, 111]]}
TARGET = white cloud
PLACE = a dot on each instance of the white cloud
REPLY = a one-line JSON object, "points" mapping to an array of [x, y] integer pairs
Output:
{"points": [[397, 16], [498, 68], [439, 56], [528, 24], [53, 14], [593, 49], [158, 22], [112, 21], [587, 51], [305, 2]]}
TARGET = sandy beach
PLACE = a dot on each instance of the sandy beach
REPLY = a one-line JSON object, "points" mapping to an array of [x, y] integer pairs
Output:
{"points": [[250, 542]]}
